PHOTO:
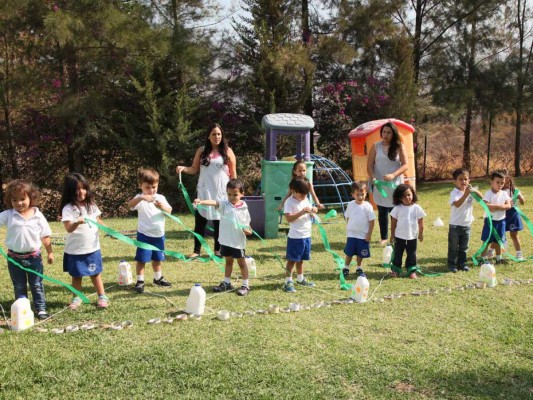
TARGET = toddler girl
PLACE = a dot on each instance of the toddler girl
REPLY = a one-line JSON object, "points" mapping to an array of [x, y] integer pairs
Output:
{"points": [[407, 224], [299, 170], [27, 228], [82, 247]]}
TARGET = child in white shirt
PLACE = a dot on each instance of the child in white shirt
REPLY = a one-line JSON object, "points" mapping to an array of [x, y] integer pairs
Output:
{"points": [[359, 226], [407, 225], [234, 226]]}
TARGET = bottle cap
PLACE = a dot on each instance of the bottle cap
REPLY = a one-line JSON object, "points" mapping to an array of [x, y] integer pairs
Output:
{"points": [[197, 284], [362, 276]]}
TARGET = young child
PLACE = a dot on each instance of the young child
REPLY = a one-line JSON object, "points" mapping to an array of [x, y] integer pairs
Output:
{"points": [[513, 221], [298, 212], [82, 255], [461, 218], [407, 224], [498, 202], [299, 169], [150, 226], [27, 228], [234, 226], [359, 226]]}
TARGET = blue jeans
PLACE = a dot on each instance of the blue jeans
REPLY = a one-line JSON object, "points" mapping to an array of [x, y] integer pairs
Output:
{"points": [[458, 238], [22, 278]]}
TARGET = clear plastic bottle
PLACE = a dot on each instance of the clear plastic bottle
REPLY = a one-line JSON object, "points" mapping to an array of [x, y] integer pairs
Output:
{"points": [[252, 267], [387, 254], [196, 300]]}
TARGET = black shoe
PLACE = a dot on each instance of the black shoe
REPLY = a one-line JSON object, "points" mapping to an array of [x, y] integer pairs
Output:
{"points": [[501, 261], [162, 282], [223, 287], [243, 291], [345, 273], [139, 287], [464, 268], [453, 269], [359, 272], [42, 315]]}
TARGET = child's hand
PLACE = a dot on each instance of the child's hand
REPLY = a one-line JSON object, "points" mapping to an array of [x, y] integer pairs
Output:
{"points": [[368, 238], [196, 202], [247, 231], [421, 237], [314, 210], [280, 207], [80, 220], [50, 258], [148, 198], [158, 204], [307, 210]]}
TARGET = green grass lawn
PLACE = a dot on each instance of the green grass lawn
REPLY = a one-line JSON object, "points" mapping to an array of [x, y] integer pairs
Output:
{"points": [[466, 344]]}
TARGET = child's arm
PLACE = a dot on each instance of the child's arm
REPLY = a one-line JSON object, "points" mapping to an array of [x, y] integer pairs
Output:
{"points": [[393, 222], [459, 202], [499, 207], [210, 203], [47, 243], [421, 229], [315, 198], [521, 199], [71, 226], [293, 217], [137, 199], [280, 207], [195, 166], [368, 236]]}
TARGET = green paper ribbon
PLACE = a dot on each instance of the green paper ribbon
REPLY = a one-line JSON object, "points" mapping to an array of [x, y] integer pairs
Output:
{"points": [[492, 231], [187, 197], [73, 290], [146, 246], [380, 185]]}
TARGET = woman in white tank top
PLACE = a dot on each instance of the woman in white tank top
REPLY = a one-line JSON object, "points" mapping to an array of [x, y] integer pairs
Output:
{"points": [[387, 161], [217, 164]]}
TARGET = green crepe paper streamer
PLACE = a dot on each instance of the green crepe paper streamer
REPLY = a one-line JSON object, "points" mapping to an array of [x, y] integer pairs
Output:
{"points": [[75, 291], [263, 242], [338, 260], [202, 241], [381, 184], [330, 214], [414, 268], [187, 197], [146, 246], [492, 230]]}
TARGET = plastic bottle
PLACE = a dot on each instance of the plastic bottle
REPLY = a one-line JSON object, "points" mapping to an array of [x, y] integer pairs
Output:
{"points": [[487, 274], [252, 268], [387, 254], [438, 223], [196, 300], [21, 315], [360, 289], [124, 274]]}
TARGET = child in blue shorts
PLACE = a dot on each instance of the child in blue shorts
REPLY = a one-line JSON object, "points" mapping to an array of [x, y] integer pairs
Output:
{"points": [[151, 226], [359, 226], [298, 213], [498, 201]]}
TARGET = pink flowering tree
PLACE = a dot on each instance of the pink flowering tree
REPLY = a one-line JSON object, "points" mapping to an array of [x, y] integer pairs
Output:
{"points": [[340, 107]]}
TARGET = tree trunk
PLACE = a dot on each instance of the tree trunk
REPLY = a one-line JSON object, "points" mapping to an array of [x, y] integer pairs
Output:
{"points": [[518, 134], [467, 130], [488, 144], [308, 80], [417, 44]]}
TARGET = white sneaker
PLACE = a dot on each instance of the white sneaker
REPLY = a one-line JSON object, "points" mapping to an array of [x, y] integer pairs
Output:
{"points": [[490, 253], [520, 256]]}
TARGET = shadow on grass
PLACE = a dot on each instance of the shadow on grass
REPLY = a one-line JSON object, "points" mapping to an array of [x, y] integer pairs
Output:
{"points": [[494, 383]]}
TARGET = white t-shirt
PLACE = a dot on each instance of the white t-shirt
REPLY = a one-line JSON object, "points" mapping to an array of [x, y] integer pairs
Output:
{"points": [[359, 217], [84, 239], [407, 216], [463, 215], [233, 218], [151, 218], [301, 227], [24, 235], [496, 198]]}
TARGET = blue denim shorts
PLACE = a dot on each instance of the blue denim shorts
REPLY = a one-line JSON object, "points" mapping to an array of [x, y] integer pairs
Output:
{"points": [[78, 265], [143, 255], [298, 249]]}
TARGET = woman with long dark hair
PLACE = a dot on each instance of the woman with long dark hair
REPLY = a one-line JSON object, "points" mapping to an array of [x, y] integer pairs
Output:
{"points": [[387, 161], [217, 164]]}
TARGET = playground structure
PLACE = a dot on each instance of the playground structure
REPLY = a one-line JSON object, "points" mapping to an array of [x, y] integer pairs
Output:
{"points": [[364, 136]]}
